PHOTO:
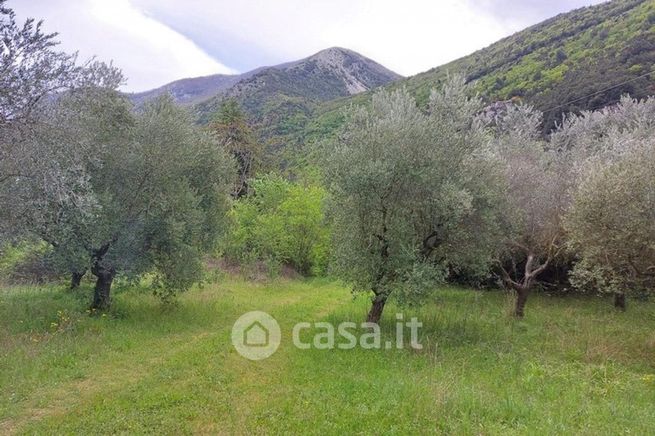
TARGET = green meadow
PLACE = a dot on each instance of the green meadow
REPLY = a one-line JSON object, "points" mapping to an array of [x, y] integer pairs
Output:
{"points": [[572, 366]]}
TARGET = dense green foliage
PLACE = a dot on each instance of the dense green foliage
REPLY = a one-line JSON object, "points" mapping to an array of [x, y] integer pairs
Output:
{"points": [[611, 224], [154, 197], [230, 126], [280, 223], [163, 192], [538, 180], [565, 58], [111, 190], [422, 197]]}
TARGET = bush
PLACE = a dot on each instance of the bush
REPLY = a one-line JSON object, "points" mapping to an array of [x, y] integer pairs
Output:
{"points": [[280, 223], [26, 262]]}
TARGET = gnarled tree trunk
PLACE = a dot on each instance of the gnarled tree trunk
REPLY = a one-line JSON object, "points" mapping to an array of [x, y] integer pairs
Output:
{"points": [[619, 300], [377, 307], [105, 276], [524, 285], [76, 279], [102, 290], [521, 299], [380, 299]]}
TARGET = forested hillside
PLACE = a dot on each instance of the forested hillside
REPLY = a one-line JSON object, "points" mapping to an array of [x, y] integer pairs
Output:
{"points": [[564, 64], [279, 100]]}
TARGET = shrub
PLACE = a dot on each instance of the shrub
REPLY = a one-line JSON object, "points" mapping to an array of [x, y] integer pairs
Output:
{"points": [[280, 223]]}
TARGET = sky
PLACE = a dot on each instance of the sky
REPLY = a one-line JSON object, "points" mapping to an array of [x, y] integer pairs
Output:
{"points": [[157, 41]]}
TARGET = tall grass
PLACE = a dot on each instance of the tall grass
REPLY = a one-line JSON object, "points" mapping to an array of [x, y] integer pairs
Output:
{"points": [[573, 365]]}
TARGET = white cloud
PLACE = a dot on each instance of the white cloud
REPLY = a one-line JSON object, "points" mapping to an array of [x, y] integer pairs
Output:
{"points": [[149, 52], [407, 36], [416, 36]]}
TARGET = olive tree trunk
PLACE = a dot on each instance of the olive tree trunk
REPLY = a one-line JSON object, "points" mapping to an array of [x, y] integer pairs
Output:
{"points": [[105, 276], [377, 306], [102, 290], [380, 299], [619, 301], [524, 285], [76, 279], [521, 299]]}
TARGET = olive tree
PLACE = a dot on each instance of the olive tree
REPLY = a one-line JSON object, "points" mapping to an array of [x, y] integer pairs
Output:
{"points": [[161, 187], [537, 196], [31, 69], [53, 198], [33, 75], [413, 194], [611, 224], [150, 191], [111, 190]]}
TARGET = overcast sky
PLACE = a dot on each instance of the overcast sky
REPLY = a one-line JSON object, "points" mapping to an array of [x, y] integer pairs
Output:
{"points": [[158, 41]]}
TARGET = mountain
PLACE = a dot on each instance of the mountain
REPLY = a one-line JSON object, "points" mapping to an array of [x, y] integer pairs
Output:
{"points": [[281, 99], [193, 90], [584, 59]]}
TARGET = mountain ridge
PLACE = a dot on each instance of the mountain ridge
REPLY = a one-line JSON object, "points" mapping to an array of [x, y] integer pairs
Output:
{"points": [[280, 100], [194, 90]]}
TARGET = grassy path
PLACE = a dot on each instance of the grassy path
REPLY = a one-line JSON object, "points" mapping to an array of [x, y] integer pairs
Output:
{"points": [[170, 371]]}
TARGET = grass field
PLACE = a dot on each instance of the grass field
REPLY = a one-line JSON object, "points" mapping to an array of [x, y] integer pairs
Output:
{"points": [[573, 366]]}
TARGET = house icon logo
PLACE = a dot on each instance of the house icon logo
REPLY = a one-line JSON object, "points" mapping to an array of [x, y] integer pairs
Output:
{"points": [[256, 335]]}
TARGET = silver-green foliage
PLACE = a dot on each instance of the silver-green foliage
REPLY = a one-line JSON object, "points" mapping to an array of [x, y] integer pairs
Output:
{"points": [[32, 70], [162, 189], [414, 195], [611, 225], [538, 181], [36, 151], [123, 193], [111, 190]]}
